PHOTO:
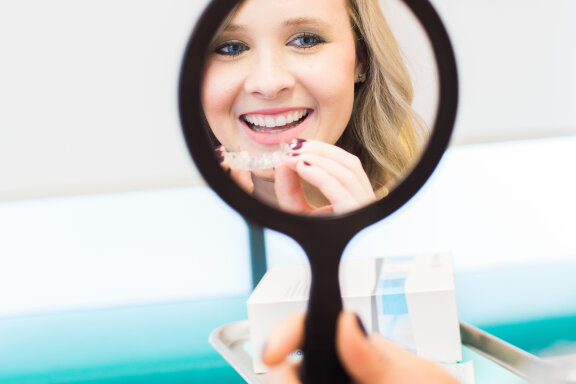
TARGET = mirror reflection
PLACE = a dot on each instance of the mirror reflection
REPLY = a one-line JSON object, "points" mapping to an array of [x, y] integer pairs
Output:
{"points": [[310, 103]]}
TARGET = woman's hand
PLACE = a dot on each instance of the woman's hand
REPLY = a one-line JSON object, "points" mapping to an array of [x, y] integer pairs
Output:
{"points": [[367, 358], [337, 174]]}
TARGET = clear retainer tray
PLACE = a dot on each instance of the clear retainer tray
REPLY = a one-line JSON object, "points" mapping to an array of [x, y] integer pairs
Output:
{"points": [[251, 162]]}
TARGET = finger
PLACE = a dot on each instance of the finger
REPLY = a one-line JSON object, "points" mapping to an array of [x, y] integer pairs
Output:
{"points": [[285, 373], [355, 181], [243, 179], [221, 158], [358, 355], [339, 197], [374, 359], [325, 210], [285, 337], [403, 366], [291, 196], [289, 191], [330, 151], [341, 164]]}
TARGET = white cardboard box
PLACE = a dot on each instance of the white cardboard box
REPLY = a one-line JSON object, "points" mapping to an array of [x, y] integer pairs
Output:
{"points": [[409, 300]]}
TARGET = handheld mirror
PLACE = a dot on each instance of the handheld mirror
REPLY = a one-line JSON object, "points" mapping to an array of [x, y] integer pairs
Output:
{"points": [[315, 118]]}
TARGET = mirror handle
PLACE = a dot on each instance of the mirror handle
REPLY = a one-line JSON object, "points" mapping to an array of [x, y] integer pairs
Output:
{"points": [[320, 362]]}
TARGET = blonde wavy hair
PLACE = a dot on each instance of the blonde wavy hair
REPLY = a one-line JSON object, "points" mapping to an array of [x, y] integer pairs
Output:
{"points": [[384, 131]]}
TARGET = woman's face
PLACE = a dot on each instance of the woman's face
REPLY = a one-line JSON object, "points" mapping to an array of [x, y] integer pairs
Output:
{"points": [[281, 69]]}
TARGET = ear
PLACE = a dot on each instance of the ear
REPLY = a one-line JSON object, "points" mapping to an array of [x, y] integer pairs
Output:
{"points": [[361, 66], [359, 73], [358, 69]]}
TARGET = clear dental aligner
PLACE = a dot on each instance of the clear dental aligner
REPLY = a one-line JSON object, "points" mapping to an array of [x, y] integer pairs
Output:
{"points": [[248, 162]]}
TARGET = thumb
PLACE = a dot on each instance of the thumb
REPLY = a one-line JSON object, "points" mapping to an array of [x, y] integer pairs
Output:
{"points": [[289, 191], [243, 179], [373, 359], [285, 337], [358, 355]]}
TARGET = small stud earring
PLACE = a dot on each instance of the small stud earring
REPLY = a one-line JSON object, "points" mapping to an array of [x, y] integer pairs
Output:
{"points": [[361, 78]]}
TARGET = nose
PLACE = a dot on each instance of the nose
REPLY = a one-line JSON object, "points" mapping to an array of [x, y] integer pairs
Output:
{"points": [[268, 77]]}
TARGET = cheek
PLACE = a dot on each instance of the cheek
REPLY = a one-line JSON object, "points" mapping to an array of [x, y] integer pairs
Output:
{"points": [[333, 76], [216, 93], [332, 86], [218, 97]]}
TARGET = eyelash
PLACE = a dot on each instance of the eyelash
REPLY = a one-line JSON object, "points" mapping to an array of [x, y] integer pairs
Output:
{"points": [[306, 35], [223, 49]]}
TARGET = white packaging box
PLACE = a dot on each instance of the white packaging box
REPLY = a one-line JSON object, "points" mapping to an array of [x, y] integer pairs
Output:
{"points": [[408, 300]]}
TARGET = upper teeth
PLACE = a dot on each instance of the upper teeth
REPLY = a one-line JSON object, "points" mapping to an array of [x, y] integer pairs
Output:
{"points": [[272, 121]]}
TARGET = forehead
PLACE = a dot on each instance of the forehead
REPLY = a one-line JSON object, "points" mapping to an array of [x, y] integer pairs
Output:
{"points": [[289, 13]]}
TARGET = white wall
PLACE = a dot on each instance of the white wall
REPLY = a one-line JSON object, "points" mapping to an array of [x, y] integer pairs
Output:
{"points": [[516, 61], [88, 95], [88, 88]]}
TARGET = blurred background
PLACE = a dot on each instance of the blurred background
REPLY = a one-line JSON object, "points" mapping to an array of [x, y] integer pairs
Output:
{"points": [[101, 206]]}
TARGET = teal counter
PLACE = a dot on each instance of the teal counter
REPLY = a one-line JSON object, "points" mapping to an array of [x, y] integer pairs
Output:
{"points": [[164, 343], [532, 308]]}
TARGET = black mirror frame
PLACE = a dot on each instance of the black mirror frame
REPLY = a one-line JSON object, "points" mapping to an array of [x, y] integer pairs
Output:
{"points": [[202, 152]]}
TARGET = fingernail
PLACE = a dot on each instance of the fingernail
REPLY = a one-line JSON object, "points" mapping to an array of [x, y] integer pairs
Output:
{"points": [[293, 154], [361, 325], [297, 144], [218, 153], [307, 163]]}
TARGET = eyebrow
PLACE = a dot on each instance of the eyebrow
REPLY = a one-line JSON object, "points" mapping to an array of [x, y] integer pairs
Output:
{"points": [[234, 28], [305, 21], [295, 22]]}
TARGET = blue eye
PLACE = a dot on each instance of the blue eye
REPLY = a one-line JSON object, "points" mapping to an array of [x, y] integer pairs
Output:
{"points": [[231, 49], [306, 40]]}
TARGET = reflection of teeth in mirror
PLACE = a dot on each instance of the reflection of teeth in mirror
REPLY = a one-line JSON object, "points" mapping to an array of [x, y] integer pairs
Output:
{"points": [[247, 162], [278, 123]]}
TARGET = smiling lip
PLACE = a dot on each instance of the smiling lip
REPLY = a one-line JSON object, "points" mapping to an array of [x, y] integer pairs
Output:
{"points": [[274, 126]]}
